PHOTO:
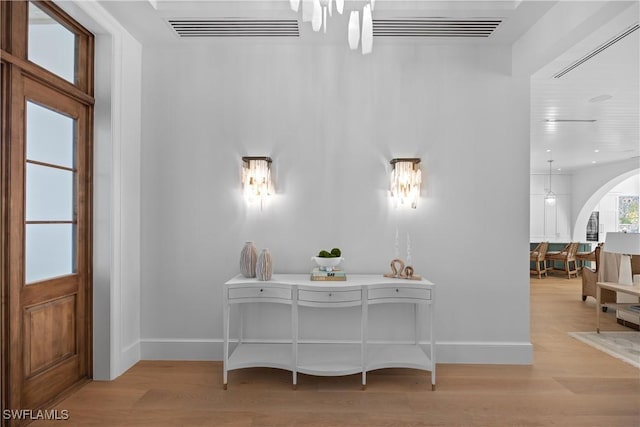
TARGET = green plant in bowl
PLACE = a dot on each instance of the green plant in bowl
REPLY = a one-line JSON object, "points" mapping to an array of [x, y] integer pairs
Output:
{"points": [[335, 253], [328, 260]]}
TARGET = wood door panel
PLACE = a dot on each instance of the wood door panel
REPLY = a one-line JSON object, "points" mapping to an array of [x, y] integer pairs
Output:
{"points": [[41, 292], [50, 334], [49, 383]]}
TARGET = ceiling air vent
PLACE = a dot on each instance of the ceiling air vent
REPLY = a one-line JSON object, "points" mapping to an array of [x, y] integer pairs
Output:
{"points": [[434, 27], [596, 51], [232, 27]]}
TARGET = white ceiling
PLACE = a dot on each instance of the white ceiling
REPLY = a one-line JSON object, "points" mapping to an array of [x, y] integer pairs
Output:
{"points": [[614, 72], [147, 19]]}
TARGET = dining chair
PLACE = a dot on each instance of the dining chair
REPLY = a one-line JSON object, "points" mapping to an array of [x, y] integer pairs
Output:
{"points": [[567, 257], [538, 257]]}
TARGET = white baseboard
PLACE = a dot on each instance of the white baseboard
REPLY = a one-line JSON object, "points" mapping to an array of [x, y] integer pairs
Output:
{"points": [[502, 353], [181, 349], [130, 356], [486, 353]]}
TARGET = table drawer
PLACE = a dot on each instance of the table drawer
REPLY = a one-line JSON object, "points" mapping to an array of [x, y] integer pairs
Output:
{"points": [[260, 292], [400, 292], [330, 296]]}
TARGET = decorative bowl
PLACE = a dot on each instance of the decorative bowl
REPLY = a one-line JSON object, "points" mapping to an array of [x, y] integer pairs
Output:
{"points": [[327, 264]]}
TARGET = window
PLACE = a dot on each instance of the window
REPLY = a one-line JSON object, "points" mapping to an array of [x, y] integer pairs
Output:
{"points": [[51, 45], [50, 194], [628, 214]]}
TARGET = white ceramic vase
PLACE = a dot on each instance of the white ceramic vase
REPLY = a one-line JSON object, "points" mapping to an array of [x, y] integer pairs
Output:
{"points": [[264, 265], [248, 259]]}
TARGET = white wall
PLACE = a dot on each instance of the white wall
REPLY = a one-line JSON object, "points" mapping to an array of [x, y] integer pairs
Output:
{"points": [[127, 207], [331, 119], [116, 228]]}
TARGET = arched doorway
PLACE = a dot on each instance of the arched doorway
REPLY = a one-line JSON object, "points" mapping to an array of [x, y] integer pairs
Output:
{"points": [[588, 206]]}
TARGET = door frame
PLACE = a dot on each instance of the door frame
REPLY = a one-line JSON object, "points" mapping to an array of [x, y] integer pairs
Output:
{"points": [[16, 68]]}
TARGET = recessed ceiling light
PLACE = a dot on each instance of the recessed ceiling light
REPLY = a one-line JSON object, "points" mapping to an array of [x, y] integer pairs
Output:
{"points": [[596, 151], [600, 98], [559, 169], [548, 150], [569, 120], [593, 161]]}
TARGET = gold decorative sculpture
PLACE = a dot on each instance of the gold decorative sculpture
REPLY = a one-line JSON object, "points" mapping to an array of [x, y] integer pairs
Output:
{"points": [[399, 271]]}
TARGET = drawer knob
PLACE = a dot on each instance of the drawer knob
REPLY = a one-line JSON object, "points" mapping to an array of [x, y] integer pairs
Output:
{"points": [[330, 294], [397, 290], [261, 290]]}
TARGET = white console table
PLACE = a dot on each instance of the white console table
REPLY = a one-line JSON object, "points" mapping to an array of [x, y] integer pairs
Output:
{"points": [[331, 358]]}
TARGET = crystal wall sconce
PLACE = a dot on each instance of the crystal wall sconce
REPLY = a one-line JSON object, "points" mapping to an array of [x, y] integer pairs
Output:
{"points": [[405, 182], [256, 178]]}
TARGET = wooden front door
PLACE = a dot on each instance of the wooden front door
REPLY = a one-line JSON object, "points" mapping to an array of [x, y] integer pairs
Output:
{"points": [[46, 211], [55, 191]]}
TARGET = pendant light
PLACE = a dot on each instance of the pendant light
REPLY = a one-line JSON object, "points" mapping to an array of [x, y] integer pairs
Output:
{"points": [[316, 20], [550, 196], [359, 33], [367, 30], [354, 30]]}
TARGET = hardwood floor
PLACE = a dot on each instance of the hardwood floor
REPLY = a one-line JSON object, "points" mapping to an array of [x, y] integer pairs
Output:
{"points": [[569, 384]]}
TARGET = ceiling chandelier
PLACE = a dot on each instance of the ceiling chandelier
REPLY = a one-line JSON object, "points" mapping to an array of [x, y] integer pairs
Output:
{"points": [[318, 11]]}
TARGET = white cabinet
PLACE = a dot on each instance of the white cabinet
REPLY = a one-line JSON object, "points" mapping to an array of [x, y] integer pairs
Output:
{"points": [[328, 358]]}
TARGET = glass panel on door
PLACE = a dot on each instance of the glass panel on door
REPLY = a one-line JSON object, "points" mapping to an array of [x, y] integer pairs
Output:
{"points": [[49, 134], [50, 251], [51, 45], [50, 193]]}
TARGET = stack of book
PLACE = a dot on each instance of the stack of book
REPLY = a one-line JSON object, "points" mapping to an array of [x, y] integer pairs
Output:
{"points": [[335, 275]]}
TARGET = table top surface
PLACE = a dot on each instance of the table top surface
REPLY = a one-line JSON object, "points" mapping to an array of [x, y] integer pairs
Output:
{"points": [[352, 280], [627, 289]]}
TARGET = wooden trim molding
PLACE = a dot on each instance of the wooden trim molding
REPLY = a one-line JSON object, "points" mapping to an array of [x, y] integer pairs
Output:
{"points": [[15, 236], [5, 70], [14, 27], [49, 79]]}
